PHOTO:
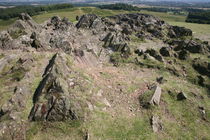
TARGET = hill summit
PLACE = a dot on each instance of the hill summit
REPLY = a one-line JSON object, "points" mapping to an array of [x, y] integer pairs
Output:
{"points": [[129, 76]]}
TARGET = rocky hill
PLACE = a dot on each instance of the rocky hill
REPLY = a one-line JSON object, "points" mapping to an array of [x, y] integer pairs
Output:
{"points": [[129, 76]]}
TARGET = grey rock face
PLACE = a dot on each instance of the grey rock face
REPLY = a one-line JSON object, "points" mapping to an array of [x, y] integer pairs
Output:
{"points": [[181, 96], [156, 124], [166, 51], [203, 67], [25, 16], [154, 54], [156, 96], [52, 99], [183, 55], [86, 21], [180, 32]]}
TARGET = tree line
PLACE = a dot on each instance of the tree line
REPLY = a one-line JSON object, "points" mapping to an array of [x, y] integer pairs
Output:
{"points": [[120, 6], [202, 17], [14, 12]]}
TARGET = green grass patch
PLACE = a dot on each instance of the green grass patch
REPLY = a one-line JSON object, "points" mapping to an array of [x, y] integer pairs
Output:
{"points": [[1, 56], [54, 130], [103, 126]]}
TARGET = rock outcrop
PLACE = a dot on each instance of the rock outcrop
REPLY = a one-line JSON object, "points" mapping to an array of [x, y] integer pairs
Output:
{"points": [[156, 96], [156, 124], [53, 100]]}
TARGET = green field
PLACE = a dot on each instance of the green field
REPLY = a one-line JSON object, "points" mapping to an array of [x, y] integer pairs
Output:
{"points": [[200, 30]]}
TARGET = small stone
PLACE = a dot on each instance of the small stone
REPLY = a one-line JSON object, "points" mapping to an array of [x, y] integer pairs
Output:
{"points": [[160, 80], [181, 96], [156, 96], [156, 124]]}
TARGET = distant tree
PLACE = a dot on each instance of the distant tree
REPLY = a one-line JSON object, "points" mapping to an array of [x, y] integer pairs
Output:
{"points": [[202, 17], [120, 6], [8, 13]]}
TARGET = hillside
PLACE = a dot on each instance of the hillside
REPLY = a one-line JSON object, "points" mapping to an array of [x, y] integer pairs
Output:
{"points": [[201, 31], [126, 76]]}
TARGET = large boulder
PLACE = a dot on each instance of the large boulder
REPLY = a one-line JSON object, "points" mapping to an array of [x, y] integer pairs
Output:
{"points": [[155, 54], [53, 100], [183, 55], [166, 51], [181, 96], [156, 124], [25, 16], [5, 40], [197, 46], [203, 67], [177, 32], [86, 21], [156, 96], [191, 45], [60, 24]]}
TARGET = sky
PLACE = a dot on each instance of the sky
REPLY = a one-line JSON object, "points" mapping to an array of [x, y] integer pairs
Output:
{"points": [[101, 0]]}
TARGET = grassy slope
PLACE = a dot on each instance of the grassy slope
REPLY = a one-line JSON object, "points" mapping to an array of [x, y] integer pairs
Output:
{"points": [[104, 126]]}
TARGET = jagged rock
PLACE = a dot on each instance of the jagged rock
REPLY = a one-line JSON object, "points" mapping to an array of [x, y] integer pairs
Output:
{"points": [[116, 43], [183, 55], [33, 35], [127, 31], [154, 54], [86, 21], [5, 40], [156, 124], [66, 21], [25, 16], [160, 80], [179, 32], [181, 96], [139, 52], [201, 80], [166, 51], [202, 112], [156, 96], [52, 99], [36, 44], [203, 67], [193, 46], [151, 97], [61, 43], [55, 20], [197, 47], [60, 24]]}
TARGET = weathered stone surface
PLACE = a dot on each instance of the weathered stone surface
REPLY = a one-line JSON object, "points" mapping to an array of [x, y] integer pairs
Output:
{"points": [[156, 96], [5, 40], [191, 45], [183, 55], [166, 51], [156, 124], [181, 96], [203, 67], [197, 47], [25, 16], [13, 131], [180, 31], [52, 99], [86, 21], [139, 52], [154, 54]]}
